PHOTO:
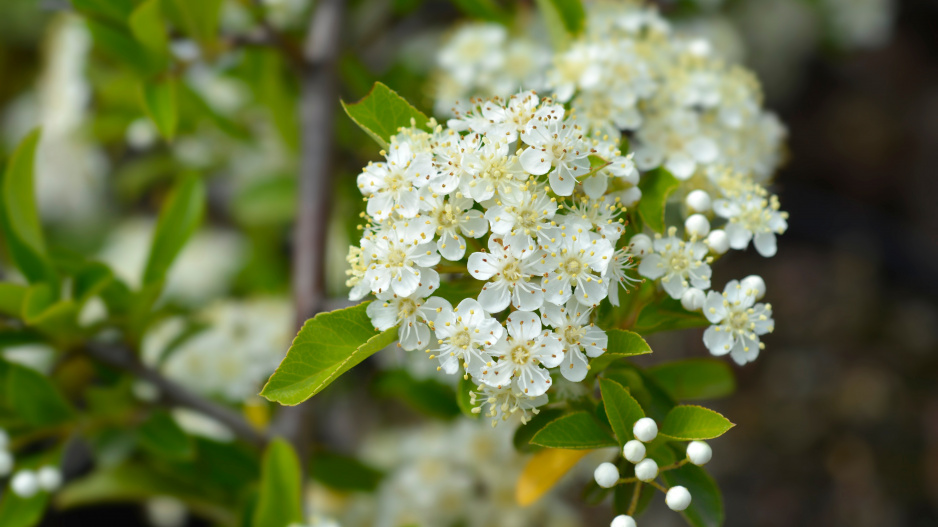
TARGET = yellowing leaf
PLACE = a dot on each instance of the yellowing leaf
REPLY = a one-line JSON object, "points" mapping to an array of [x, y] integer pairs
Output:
{"points": [[543, 471]]}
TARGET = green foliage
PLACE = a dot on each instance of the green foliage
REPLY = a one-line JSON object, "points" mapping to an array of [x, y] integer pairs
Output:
{"points": [[343, 473], [162, 436], [34, 398], [382, 112], [694, 378], [179, 219], [146, 24], [464, 398], [688, 423], [266, 202], [11, 299], [22, 512], [158, 99], [118, 43], [427, 396], [621, 408], [280, 501], [576, 431], [656, 187], [667, 314], [116, 11], [564, 20], [653, 399], [706, 506], [92, 279], [621, 344], [483, 10], [524, 434], [327, 346]]}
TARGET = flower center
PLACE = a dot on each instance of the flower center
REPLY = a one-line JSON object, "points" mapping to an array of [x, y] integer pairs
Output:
{"points": [[446, 217], [679, 262], [528, 220], [521, 354], [573, 267], [396, 182], [739, 320], [512, 272], [462, 340], [572, 335], [407, 308], [397, 257]]}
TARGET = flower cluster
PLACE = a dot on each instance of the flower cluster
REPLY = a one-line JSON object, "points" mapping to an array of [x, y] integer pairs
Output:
{"points": [[27, 482]]}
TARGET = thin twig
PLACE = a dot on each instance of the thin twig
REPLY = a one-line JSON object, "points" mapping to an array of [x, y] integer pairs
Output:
{"points": [[174, 394], [635, 495]]}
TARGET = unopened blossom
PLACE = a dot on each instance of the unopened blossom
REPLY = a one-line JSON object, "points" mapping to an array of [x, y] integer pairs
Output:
{"points": [[409, 313], [753, 217], [449, 219], [523, 355], [558, 143], [679, 264], [463, 336], [576, 266], [391, 186], [398, 258], [514, 274], [580, 338], [738, 321]]}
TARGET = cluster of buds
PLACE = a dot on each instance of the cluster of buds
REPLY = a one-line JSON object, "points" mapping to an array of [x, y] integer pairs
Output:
{"points": [[26, 483]]}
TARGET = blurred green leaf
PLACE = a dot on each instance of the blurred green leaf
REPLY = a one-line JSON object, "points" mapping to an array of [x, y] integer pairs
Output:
{"points": [[266, 202], [113, 10], [483, 10], [162, 436], [11, 299], [576, 431], [120, 45], [34, 398], [621, 408], [524, 434], [656, 186], [179, 218], [91, 280], [706, 506], [427, 396], [382, 112], [343, 473], [200, 17], [327, 346], [667, 315], [694, 378], [280, 501], [621, 344], [146, 24], [689, 423], [22, 512], [158, 99], [464, 398], [564, 20]]}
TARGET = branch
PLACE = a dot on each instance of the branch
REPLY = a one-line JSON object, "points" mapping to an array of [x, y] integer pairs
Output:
{"points": [[174, 394]]}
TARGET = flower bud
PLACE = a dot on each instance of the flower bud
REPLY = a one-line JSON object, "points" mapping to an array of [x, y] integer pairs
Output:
{"points": [[647, 470], [698, 201], [622, 521], [50, 479], [699, 453], [606, 475], [678, 498], [693, 299], [634, 451], [645, 429], [25, 484], [718, 241], [640, 244], [697, 225], [6, 463], [755, 283]]}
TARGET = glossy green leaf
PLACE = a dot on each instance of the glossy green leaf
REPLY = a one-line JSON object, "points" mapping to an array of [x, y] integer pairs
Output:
{"points": [[688, 423], [11, 299], [524, 434], [564, 20], [327, 346], [654, 400], [621, 408], [575, 431], [158, 99], [343, 473], [483, 10], [22, 512], [694, 378], [200, 17], [621, 344], [147, 25], [280, 501], [119, 44], [667, 315], [162, 436], [91, 280], [464, 398], [34, 398], [179, 218], [656, 187], [113, 10], [427, 396], [382, 112], [706, 506]]}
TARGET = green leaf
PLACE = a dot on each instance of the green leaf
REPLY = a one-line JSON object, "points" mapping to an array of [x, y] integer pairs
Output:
{"points": [[19, 216], [327, 346], [622, 498], [687, 423], [656, 186], [11, 299], [34, 398], [667, 315], [200, 17], [266, 202], [564, 20], [280, 501], [463, 397], [706, 506], [162, 436], [455, 291], [120, 45], [343, 473], [427, 396], [654, 400], [22, 512], [483, 10], [694, 378], [382, 112], [158, 99], [146, 24], [621, 408], [621, 344], [113, 10], [576, 431], [91, 280], [179, 218], [38, 298], [524, 434]]}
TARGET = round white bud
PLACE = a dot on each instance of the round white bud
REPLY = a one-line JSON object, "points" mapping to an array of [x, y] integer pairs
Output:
{"points": [[640, 244], [645, 429], [693, 299], [50, 478], [623, 521], [647, 470], [755, 283], [699, 453], [677, 498], [697, 225], [634, 451], [698, 201], [25, 484], [6, 463], [718, 241], [606, 475]]}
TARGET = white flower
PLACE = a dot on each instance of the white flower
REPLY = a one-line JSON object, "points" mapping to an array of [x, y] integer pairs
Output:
{"points": [[577, 335], [615, 274], [556, 143], [737, 323], [504, 402], [600, 215], [525, 219], [579, 260], [410, 313], [514, 268], [397, 260], [505, 122], [493, 171], [752, 217], [678, 264], [463, 335], [450, 218], [392, 186], [520, 355], [451, 155]]}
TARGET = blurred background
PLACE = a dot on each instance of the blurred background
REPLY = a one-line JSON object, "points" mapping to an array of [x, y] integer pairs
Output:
{"points": [[837, 420]]}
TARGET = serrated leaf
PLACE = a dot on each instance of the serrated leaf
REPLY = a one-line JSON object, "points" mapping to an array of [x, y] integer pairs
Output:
{"points": [[654, 400], [656, 186], [688, 423], [280, 498], [694, 378], [327, 346], [667, 315], [543, 471], [162, 436], [34, 398], [524, 434], [621, 408], [575, 431], [159, 102], [179, 218], [706, 506], [621, 344], [382, 112], [343, 473]]}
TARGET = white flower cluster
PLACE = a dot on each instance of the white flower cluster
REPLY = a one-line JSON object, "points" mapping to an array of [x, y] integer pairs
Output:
{"points": [[26, 483]]}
